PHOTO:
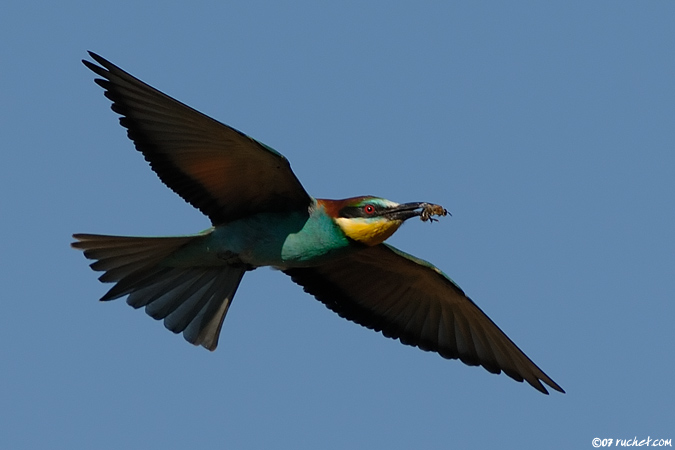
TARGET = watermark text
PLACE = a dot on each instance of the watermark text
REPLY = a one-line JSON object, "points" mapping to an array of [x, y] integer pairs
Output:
{"points": [[634, 442]]}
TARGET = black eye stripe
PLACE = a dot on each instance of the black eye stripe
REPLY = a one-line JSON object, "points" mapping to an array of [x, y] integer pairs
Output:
{"points": [[360, 211]]}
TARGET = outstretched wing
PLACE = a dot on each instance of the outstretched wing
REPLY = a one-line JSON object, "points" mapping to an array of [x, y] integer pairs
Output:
{"points": [[406, 298], [217, 169]]}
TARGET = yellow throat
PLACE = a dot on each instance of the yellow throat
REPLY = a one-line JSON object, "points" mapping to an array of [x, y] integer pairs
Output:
{"points": [[368, 231]]}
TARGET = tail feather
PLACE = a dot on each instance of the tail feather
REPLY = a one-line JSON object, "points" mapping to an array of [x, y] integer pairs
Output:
{"points": [[153, 294], [190, 300], [133, 281], [193, 281], [180, 317], [205, 327]]}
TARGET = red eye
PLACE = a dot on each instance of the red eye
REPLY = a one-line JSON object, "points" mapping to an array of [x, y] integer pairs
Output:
{"points": [[369, 209]]}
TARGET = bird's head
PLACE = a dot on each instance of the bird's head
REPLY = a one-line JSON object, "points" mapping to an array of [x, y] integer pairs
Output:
{"points": [[371, 220]]}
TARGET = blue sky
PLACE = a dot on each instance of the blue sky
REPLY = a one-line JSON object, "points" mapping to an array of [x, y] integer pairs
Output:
{"points": [[546, 129]]}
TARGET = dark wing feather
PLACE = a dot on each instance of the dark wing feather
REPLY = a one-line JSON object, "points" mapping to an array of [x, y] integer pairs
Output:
{"points": [[406, 298], [217, 169]]}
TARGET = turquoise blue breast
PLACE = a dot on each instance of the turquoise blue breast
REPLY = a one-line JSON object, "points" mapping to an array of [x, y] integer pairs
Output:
{"points": [[272, 239]]}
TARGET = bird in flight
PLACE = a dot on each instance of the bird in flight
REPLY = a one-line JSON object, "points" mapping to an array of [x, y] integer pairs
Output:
{"points": [[262, 216]]}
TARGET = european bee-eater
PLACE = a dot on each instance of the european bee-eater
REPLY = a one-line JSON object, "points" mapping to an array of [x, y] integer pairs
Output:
{"points": [[262, 216]]}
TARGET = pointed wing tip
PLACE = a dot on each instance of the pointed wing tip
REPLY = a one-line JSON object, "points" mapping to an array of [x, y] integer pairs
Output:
{"points": [[537, 376], [536, 379], [91, 66], [77, 243], [99, 59], [81, 239], [556, 387], [536, 383], [538, 386], [104, 68]]}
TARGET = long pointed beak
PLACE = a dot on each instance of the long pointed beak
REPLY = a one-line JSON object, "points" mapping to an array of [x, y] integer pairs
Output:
{"points": [[424, 210]]}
